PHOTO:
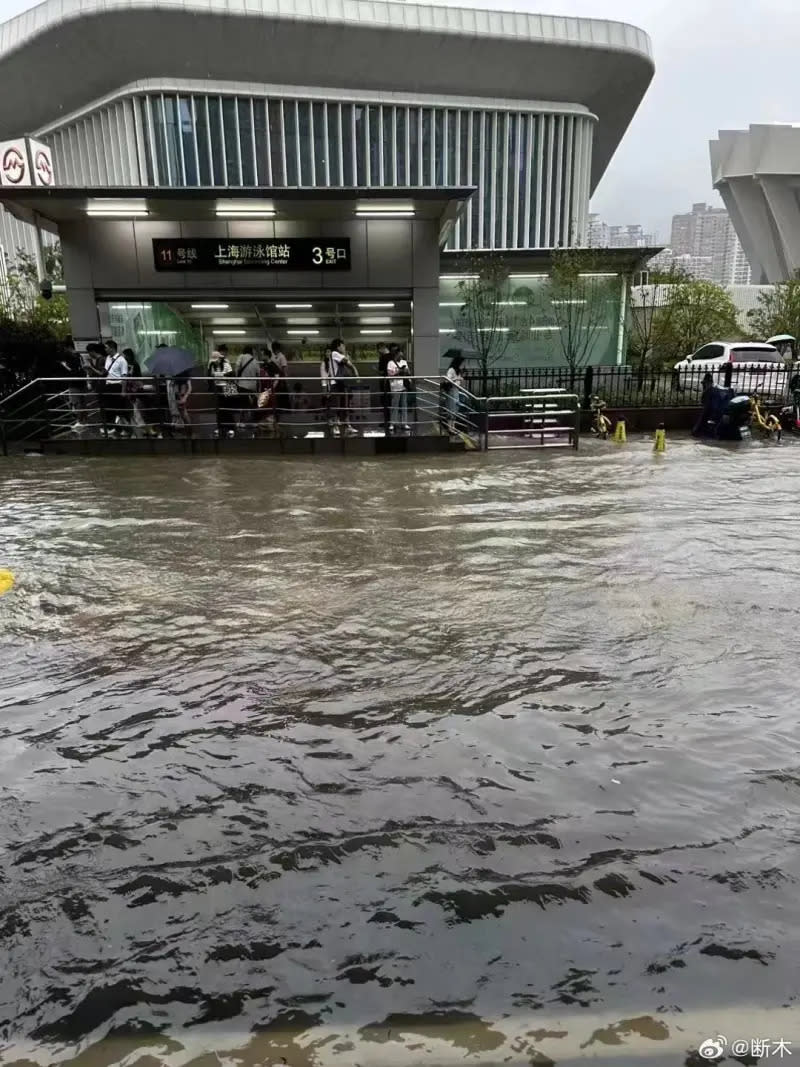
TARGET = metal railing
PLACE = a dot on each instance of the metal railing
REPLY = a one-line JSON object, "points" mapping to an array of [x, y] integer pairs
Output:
{"points": [[625, 387], [49, 409], [537, 418]]}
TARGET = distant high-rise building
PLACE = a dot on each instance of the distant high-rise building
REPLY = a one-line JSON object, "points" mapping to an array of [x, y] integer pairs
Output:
{"points": [[601, 235], [596, 232], [706, 235]]}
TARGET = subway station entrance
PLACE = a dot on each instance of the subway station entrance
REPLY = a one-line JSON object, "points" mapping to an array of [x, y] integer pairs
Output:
{"points": [[191, 270], [199, 267]]}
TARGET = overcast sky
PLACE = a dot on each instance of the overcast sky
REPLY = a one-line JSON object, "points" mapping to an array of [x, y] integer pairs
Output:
{"points": [[720, 64]]}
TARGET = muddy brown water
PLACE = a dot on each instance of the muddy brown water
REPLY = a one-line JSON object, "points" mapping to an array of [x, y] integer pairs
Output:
{"points": [[477, 760]]}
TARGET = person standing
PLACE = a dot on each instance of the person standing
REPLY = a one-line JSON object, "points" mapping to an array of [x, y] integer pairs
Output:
{"points": [[225, 390], [72, 366], [344, 373], [453, 384], [384, 359], [336, 371], [396, 371], [282, 398], [115, 402], [248, 380]]}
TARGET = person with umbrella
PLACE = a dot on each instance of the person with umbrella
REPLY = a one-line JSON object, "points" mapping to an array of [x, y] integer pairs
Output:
{"points": [[174, 365]]}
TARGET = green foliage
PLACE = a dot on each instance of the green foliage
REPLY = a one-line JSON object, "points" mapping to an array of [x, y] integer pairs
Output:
{"points": [[694, 313], [22, 303], [778, 311], [579, 302], [486, 323], [650, 317]]}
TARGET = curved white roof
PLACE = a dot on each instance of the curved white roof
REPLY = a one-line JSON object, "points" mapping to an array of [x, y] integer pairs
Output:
{"points": [[62, 54]]}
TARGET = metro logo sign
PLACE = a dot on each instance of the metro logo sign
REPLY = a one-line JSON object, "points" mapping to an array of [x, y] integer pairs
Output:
{"points": [[14, 168], [26, 162], [42, 159]]}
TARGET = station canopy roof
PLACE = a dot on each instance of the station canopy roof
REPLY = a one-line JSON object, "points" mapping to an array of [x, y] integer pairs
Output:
{"points": [[49, 207]]}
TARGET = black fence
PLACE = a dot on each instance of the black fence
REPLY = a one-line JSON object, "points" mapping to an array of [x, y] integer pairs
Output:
{"points": [[623, 387]]}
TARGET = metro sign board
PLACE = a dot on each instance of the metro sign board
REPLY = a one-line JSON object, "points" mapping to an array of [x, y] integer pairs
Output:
{"points": [[251, 253], [14, 164], [25, 162], [41, 160]]}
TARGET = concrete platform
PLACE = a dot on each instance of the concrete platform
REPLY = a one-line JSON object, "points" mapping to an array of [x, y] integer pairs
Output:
{"points": [[258, 446]]}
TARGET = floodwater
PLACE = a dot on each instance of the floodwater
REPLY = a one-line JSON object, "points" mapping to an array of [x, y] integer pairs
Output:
{"points": [[487, 759]]}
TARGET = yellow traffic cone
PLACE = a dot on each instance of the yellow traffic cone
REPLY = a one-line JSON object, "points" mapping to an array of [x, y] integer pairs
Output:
{"points": [[660, 443], [620, 432], [6, 581]]}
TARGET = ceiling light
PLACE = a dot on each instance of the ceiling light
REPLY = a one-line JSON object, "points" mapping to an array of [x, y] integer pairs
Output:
{"points": [[540, 275], [512, 303], [295, 320], [376, 305], [376, 333], [543, 329], [117, 209], [493, 329], [294, 307], [129, 307], [375, 320], [597, 274], [302, 333], [229, 321], [447, 331], [229, 333], [451, 304], [395, 213], [385, 209], [157, 333], [210, 307], [459, 277]]}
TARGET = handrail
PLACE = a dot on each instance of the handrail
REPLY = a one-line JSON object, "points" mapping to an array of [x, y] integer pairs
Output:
{"points": [[297, 405]]}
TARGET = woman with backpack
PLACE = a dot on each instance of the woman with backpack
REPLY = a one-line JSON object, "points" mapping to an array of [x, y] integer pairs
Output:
{"points": [[336, 372]]}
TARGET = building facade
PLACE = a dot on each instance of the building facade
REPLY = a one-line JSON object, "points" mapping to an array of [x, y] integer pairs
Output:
{"points": [[704, 242], [756, 172], [526, 110]]}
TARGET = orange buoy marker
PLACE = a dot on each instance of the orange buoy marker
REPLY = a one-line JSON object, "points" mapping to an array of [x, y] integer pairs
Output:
{"points": [[660, 443], [620, 432], [6, 581]]}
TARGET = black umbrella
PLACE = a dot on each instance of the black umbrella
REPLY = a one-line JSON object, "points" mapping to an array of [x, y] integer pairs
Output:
{"points": [[170, 361]]}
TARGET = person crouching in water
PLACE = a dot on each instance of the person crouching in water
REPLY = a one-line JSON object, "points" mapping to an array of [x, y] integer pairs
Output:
{"points": [[397, 369]]}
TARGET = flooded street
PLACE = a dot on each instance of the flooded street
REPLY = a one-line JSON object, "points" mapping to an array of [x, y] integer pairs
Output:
{"points": [[485, 759]]}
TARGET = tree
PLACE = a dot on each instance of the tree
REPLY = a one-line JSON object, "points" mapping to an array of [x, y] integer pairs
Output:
{"points": [[24, 303], [650, 317], [695, 313], [778, 310], [487, 321], [579, 295]]}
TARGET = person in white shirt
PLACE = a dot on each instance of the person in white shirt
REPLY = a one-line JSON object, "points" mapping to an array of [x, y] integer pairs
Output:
{"points": [[116, 364], [396, 370], [454, 383], [115, 404]]}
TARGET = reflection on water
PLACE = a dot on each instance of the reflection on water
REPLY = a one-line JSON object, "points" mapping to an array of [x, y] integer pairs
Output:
{"points": [[489, 760]]}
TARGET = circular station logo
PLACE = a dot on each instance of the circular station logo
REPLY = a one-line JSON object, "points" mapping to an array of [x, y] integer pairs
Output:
{"points": [[43, 168], [13, 165]]}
